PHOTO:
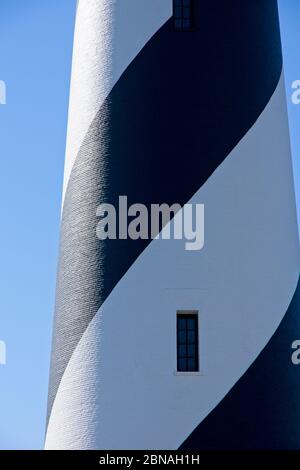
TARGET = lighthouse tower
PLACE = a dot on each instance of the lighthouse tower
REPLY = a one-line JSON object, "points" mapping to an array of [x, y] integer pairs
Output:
{"points": [[155, 346]]}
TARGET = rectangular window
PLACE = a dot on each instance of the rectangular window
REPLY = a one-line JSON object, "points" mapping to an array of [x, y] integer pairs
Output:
{"points": [[187, 342], [183, 15]]}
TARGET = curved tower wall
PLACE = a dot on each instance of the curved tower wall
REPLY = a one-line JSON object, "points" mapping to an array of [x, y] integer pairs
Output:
{"points": [[166, 116]]}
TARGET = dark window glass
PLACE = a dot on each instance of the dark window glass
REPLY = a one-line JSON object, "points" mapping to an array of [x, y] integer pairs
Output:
{"points": [[187, 342], [191, 336], [191, 365], [182, 364], [181, 324], [186, 13], [183, 14], [182, 337], [191, 350]]}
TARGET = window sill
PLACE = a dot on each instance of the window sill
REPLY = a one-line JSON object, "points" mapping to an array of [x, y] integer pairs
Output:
{"points": [[188, 373]]}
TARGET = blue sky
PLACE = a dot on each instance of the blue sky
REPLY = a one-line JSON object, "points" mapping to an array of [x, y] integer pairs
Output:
{"points": [[35, 61]]}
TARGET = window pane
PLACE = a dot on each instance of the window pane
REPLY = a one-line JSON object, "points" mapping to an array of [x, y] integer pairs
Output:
{"points": [[182, 364], [191, 365], [186, 13], [181, 323], [178, 24], [191, 323], [191, 350], [182, 336], [186, 3], [191, 336], [186, 24], [182, 350], [177, 12]]}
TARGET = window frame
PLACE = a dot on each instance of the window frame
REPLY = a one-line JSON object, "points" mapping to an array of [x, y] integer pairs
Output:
{"points": [[179, 4], [195, 315]]}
